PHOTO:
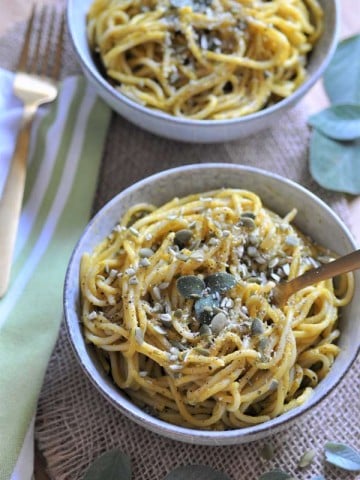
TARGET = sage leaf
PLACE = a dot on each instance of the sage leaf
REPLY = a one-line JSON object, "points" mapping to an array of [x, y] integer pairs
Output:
{"points": [[342, 76], [195, 472], [335, 165], [340, 122], [342, 456], [275, 475], [112, 465]]}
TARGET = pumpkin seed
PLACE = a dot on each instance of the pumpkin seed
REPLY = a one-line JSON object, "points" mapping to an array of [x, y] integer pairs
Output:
{"points": [[220, 282], [202, 351], [165, 319], [204, 308], [273, 386], [145, 252], [178, 313], [257, 327], [218, 323], [182, 237], [252, 251], [248, 223], [248, 215], [267, 451], [190, 285], [306, 459], [133, 280], [144, 262], [205, 330]]}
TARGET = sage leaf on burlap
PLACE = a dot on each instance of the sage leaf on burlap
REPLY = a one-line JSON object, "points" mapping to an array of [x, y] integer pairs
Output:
{"points": [[342, 456], [111, 465], [276, 475], [340, 122], [342, 76], [335, 165], [195, 472]]}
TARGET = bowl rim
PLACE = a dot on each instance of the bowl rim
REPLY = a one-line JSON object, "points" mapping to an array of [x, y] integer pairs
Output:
{"points": [[116, 95], [152, 423]]}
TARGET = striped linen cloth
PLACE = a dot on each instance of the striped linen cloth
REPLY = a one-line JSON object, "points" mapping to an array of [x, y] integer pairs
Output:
{"points": [[65, 153]]}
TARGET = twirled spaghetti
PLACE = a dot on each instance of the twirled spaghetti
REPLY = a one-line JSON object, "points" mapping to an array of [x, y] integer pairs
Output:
{"points": [[205, 59], [177, 301]]}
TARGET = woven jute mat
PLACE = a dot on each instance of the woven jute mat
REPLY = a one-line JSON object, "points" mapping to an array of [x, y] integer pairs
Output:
{"points": [[75, 423]]}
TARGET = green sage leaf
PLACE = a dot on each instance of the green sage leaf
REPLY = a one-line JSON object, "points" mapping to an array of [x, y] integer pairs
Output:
{"points": [[111, 465], [275, 475], [342, 456], [340, 122], [335, 165], [195, 472], [342, 77]]}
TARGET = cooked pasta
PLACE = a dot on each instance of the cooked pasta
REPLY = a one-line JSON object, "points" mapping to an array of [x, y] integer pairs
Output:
{"points": [[177, 301], [205, 59]]}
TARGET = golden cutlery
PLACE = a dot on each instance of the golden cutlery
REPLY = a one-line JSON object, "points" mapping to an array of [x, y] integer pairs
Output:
{"points": [[347, 263], [35, 83]]}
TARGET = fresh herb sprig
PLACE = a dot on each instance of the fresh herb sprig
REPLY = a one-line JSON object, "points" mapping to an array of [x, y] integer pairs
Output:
{"points": [[335, 140]]}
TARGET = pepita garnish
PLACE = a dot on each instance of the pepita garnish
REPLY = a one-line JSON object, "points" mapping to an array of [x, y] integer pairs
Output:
{"points": [[267, 451], [145, 252], [257, 327], [306, 458], [205, 330], [190, 285], [178, 313], [247, 222], [182, 237], [204, 308], [218, 323]]}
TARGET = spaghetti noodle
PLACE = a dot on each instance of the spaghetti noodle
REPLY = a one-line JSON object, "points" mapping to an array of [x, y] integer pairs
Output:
{"points": [[177, 302], [205, 59]]}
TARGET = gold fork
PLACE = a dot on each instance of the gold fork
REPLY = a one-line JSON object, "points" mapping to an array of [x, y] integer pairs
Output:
{"points": [[35, 84]]}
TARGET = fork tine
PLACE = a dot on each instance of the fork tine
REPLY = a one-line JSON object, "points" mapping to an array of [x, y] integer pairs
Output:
{"points": [[46, 56], [25, 48], [58, 53], [36, 56]]}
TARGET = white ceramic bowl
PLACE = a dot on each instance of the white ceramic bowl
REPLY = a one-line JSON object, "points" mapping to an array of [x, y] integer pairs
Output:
{"points": [[314, 218], [199, 131]]}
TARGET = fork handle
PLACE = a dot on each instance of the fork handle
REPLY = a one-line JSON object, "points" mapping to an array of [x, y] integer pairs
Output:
{"points": [[11, 199]]}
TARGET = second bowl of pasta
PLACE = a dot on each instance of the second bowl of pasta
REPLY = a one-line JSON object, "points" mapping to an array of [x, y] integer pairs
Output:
{"points": [[203, 71], [169, 309]]}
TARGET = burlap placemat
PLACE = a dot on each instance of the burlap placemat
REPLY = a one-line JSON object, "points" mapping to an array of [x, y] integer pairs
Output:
{"points": [[75, 423]]}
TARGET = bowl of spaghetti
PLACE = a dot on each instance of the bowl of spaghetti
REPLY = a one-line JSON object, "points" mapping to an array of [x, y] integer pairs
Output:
{"points": [[203, 71], [168, 303]]}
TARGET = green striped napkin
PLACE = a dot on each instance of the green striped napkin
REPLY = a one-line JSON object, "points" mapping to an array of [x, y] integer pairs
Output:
{"points": [[65, 155]]}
